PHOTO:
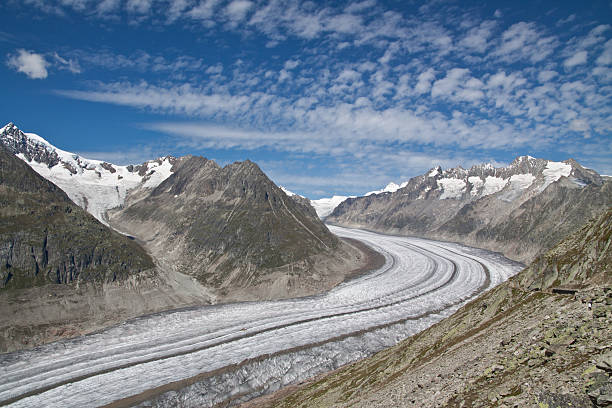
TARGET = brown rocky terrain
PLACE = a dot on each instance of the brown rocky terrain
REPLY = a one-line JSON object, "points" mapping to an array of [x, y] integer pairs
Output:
{"points": [[210, 234], [541, 339], [64, 273]]}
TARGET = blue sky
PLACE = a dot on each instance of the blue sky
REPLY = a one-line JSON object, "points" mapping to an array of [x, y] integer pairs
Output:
{"points": [[327, 97]]}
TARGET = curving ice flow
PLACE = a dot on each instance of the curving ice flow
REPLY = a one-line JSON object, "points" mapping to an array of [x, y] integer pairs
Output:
{"points": [[206, 355]]}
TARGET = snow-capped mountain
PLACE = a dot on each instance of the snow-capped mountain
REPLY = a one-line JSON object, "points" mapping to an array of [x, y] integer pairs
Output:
{"points": [[94, 185], [389, 188], [229, 227], [519, 209], [325, 206]]}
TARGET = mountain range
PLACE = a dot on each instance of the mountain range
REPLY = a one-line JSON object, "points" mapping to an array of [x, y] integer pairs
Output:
{"points": [[519, 210]]}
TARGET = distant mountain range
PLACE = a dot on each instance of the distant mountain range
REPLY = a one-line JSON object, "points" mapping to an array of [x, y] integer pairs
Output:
{"points": [[519, 210]]}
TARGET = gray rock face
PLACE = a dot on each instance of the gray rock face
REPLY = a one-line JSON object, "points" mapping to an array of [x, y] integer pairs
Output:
{"points": [[46, 238], [225, 226], [519, 210], [17, 142]]}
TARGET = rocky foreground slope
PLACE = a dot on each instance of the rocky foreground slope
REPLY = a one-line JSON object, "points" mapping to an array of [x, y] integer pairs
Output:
{"points": [[519, 210], [541, 339]]}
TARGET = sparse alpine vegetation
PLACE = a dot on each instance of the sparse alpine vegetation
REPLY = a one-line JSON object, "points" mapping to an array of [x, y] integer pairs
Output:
{"points": [[45, 238], [512, 347]]}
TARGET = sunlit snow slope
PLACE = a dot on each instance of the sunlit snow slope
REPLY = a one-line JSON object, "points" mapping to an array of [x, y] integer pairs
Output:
{"points": [[94, 185], [207, 355]]}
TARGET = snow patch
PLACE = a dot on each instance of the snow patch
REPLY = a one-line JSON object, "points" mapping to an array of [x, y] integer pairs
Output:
{"points": [[94, 185], [521, 181], [493, 185], [435, 171], [476, 183], [451, 188], [289, 193], [325, 206], [554, 171], [390, 188]]}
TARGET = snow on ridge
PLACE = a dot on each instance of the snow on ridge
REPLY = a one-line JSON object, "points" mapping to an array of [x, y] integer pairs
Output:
{"points": [[554, 171], [477, 184], [451, 188], [94, 185], [288, 192], [325, 206], [390, 188], [522, 181], [435, 171], [493, 185]]}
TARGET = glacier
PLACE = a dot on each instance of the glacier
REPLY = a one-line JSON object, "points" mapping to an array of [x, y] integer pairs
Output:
{"points": [[233, 352]]}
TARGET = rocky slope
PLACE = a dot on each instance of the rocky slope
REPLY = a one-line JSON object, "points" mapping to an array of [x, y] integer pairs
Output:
{"points": [[520, 210], [62, 272], [512, 347], [230, 227], [46, 238]]}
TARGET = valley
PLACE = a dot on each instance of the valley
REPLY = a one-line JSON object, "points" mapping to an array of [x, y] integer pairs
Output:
{"points": [[204, 356]]}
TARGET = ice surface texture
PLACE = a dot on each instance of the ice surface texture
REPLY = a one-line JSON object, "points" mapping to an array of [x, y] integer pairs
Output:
{"points": [[421, 282]]}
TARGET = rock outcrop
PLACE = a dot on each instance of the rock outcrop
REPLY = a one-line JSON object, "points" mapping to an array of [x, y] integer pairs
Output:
{"points": [[63, 273], [46, 238], [227, 226], [231, 228]]}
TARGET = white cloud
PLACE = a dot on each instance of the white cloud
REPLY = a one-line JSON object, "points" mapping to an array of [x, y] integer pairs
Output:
{"points": [[30, 63], [107, 6], [68, 64], [546, 75], [424, 81], [523, 41], [606, 56], [238, 9], [577, 59], [177, 9], [203, 11], [290, 64], [477, 38], [138, 6], [458, 85], [579, 125]]}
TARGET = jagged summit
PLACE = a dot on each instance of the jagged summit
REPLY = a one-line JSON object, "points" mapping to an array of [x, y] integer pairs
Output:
{"points": [[94, 185], [519, 209]]}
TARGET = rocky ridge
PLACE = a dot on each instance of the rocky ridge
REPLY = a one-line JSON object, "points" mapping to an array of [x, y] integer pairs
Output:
{"points": [[520, 210], [62, 272], [46, 238], [515, 346], [230, 227]]}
